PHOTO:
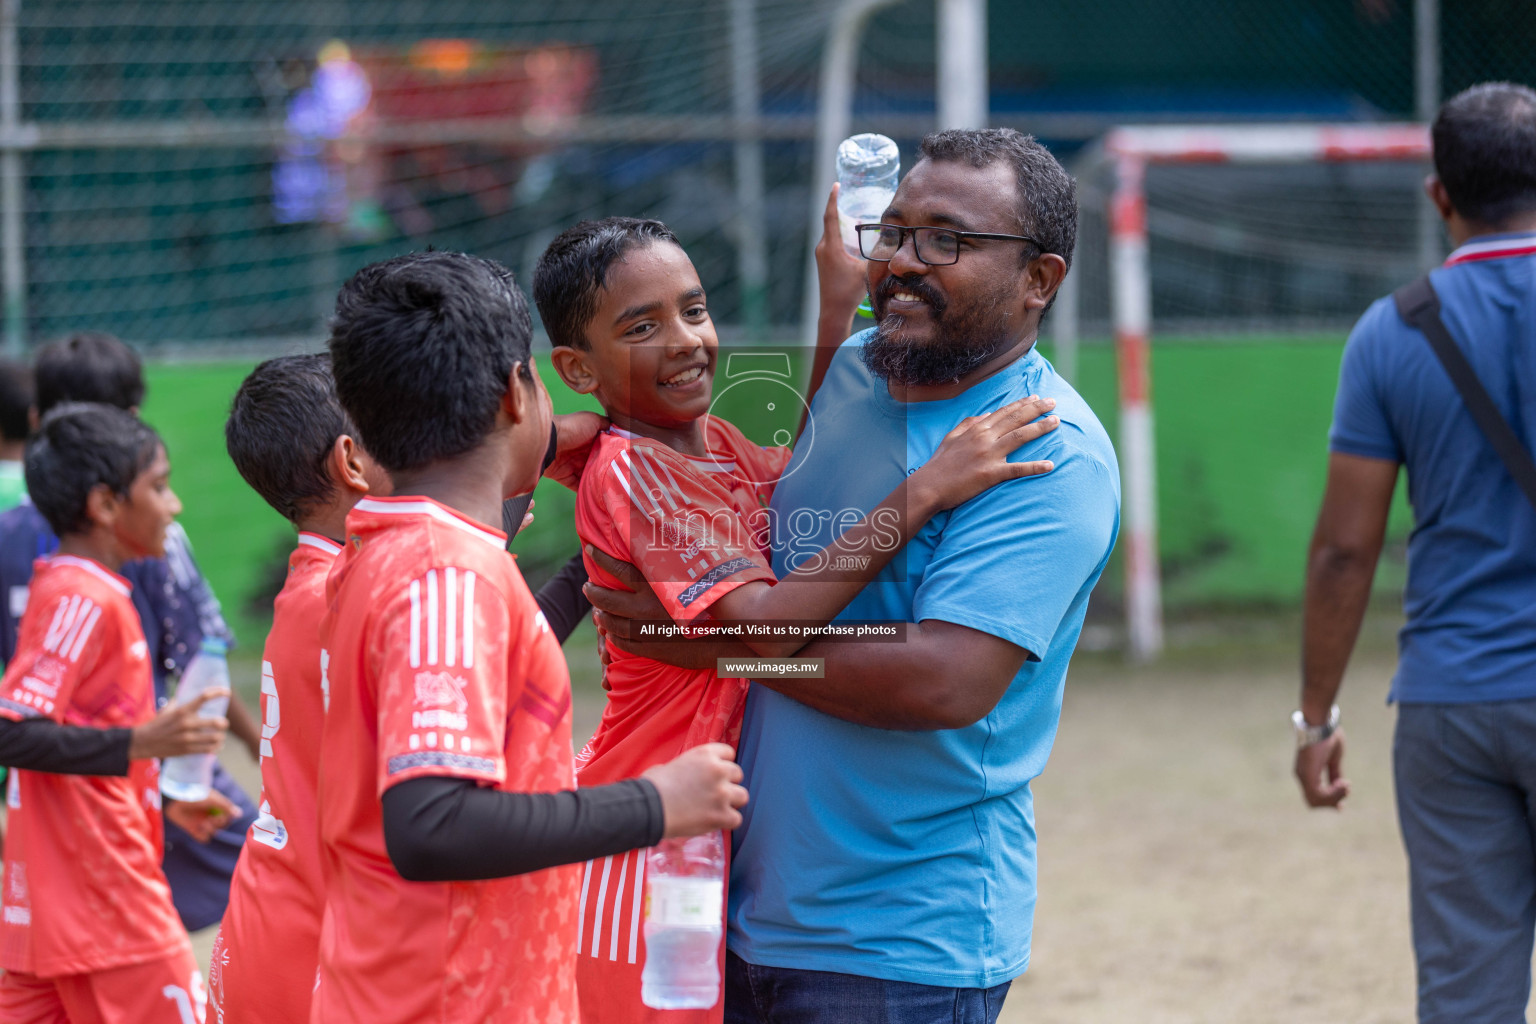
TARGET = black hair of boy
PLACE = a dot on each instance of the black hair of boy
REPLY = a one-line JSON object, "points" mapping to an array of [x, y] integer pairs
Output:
{"points": [[574, 268], [78, 447], [282, 427], [88, 367], [421, 349], [16, 400]]}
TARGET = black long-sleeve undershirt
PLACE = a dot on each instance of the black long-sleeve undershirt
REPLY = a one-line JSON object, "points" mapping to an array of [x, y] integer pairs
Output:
{"points": [[451, 830], [561, 599], [43, 745]]}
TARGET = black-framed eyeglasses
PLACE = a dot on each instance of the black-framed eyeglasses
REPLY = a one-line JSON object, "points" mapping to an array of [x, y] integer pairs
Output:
{"points": [[937, 247]]}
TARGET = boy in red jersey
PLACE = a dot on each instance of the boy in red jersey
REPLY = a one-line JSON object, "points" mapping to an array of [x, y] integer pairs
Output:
{"points": [[681, 494], [88, 931], [448, 738], [291, 441]]}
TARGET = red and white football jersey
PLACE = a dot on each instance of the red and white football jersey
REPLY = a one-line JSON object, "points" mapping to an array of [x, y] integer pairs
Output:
{"points": [[83, 888], [264, 961], [440, 664], [696, 528]]}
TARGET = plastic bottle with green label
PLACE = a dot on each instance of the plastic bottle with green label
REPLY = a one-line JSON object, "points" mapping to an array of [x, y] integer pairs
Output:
{"points": [[684, 910]]}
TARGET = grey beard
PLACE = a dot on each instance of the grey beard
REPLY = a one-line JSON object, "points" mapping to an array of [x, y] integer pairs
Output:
{"points": [[943, 361]]}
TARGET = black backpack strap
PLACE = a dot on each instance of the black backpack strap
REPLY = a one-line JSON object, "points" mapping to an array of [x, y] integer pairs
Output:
{"points": [[1419, 306]]}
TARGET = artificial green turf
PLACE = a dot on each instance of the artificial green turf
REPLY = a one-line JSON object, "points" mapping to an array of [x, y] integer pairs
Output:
{"points": [[1241, 445]]}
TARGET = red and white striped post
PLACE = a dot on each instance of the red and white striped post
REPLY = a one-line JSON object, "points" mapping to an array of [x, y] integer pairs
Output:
{"points": [[1130, 150], [1131, 280]]}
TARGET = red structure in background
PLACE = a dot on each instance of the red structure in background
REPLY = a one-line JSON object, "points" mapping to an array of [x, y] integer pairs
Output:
{"points": [[516, 94], [426, 138]]}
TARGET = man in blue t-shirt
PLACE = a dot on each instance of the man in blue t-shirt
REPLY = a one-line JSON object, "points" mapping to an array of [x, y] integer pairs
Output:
{"points": [[885, 867], [1464, 757]]}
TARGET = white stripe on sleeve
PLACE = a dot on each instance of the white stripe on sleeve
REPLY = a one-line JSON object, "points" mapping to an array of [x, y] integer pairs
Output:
{"points": [[469, 619], [415, 623]]}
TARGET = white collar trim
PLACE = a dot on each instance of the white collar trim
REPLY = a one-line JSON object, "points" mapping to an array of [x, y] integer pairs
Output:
{"points": [[707, 465], [425, 507], [96, 570], [314, 540]]}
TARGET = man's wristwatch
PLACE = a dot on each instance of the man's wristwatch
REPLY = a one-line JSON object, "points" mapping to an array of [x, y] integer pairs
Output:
{"points": [[1306, 735]]}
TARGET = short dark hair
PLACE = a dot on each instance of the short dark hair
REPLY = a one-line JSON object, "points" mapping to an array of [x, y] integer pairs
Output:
{"points": [[1047, 193], [88, 367], [78, 447], [421, 349], [575, 268], [282, 426], [17, 396], [1485, 151]]}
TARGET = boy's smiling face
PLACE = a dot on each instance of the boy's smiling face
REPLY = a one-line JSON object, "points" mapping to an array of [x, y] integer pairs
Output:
{"points": [[651, 349]]}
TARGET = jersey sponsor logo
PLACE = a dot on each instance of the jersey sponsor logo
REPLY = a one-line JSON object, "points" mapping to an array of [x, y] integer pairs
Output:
{"points": [[441, 690], [439, 759], [450, 741], [39, 686], [73, 620], [699, 587], [139, 650], [439, 719]]}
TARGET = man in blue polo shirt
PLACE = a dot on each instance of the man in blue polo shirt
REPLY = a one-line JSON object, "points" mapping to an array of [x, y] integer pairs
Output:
{"points": [[1464, 757], [885, 867]]}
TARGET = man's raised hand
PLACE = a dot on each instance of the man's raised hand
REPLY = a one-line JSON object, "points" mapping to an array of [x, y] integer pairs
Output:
{"points": [[700, 791]]}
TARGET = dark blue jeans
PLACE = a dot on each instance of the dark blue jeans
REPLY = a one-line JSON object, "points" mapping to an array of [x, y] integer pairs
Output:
{"points": [[784, 995], [1466, 800]]}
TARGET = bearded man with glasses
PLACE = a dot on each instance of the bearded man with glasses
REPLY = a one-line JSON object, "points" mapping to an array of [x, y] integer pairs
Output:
{"points": [[885, 867]]}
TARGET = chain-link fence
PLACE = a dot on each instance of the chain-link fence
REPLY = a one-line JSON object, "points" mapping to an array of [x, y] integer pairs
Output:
{"points": [[204, 170]]}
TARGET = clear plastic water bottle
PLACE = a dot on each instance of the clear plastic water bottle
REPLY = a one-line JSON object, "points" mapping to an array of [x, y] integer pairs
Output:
{"points": [[867, 168], [190, 776], [684, 904]]}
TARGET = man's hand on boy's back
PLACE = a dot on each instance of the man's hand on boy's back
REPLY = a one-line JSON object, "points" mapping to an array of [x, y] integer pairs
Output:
{"points": [[574, 434], [700, 791]]}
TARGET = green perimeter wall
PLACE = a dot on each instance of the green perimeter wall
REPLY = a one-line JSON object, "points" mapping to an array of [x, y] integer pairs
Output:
{"points": [[1242, 432]]}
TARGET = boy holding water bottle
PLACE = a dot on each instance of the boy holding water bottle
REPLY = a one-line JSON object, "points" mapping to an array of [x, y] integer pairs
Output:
{"points": [[88, 931], [681, 494]]}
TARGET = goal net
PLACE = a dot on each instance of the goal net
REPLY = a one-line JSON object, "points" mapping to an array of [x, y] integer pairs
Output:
{"points": [[1229, 235]]}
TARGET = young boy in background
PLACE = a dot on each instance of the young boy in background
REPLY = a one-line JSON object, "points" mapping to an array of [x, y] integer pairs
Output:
{"points": [[448, 738], [88, 931], [18, 410], [177, 609], [682, 494]]}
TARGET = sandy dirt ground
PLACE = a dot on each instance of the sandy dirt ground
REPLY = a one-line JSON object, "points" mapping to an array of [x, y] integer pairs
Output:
{"points": [[1181, 878]]}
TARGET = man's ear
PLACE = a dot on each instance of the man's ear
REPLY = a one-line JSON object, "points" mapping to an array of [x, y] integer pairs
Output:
{"points": [[1435, 189], [102, 506], [347, 465], [572, 366], [1042, 277]]}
